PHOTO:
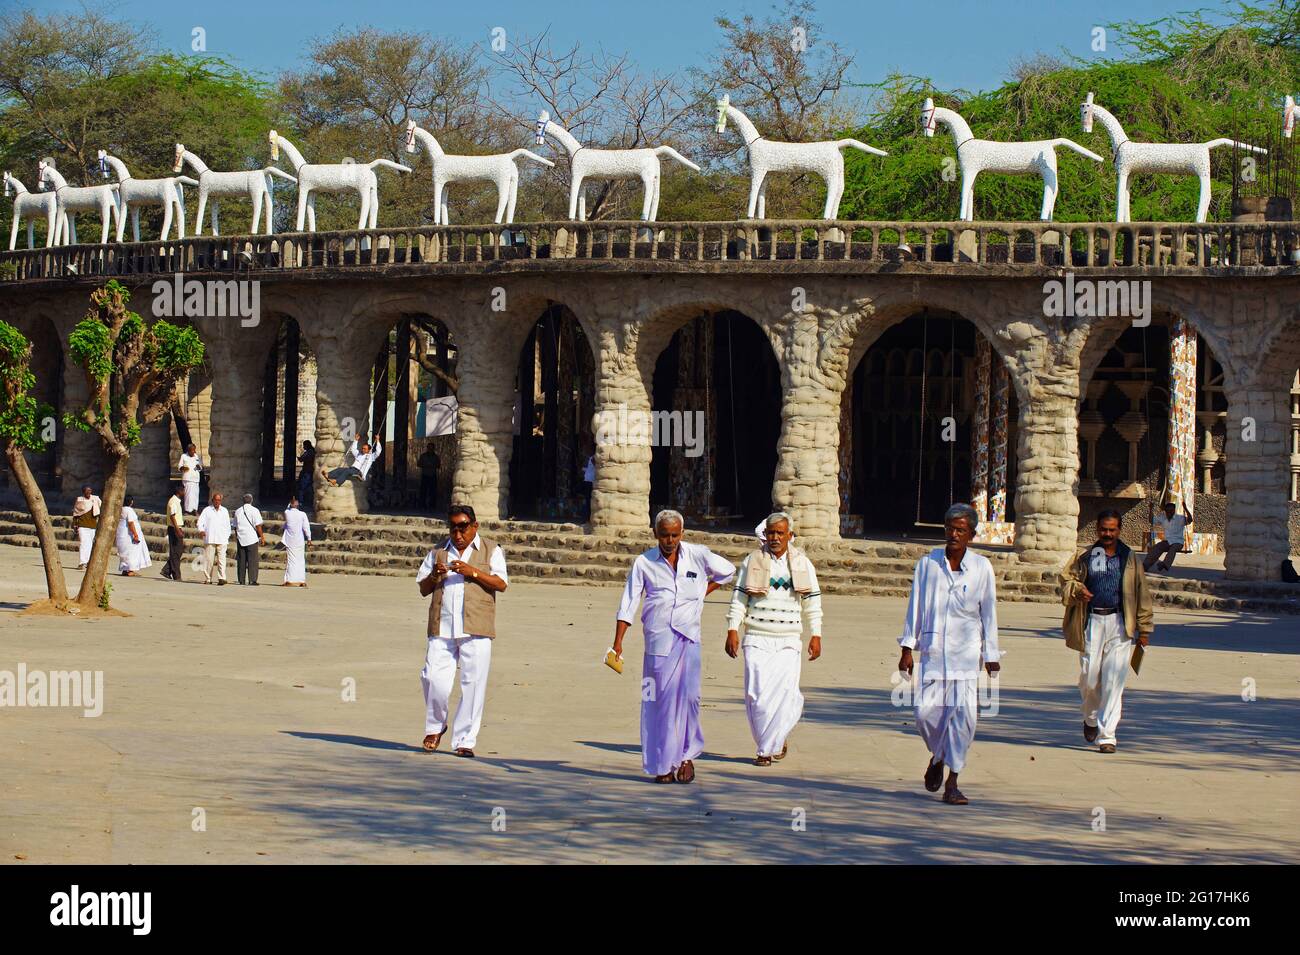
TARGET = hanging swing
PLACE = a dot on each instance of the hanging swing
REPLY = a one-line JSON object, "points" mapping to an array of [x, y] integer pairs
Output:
{"points": [[952, 445]]}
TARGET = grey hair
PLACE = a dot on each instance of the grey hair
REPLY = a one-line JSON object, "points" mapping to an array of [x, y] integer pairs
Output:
{"points": [[248, 499], [668, 516], [963, 511], [776, 517]]}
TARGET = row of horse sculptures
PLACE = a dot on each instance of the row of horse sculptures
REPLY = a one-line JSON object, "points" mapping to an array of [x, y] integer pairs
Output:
{"points": [[58, 202]]}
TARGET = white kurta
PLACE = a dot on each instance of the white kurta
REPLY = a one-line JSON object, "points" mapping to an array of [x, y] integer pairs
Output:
{"points": [[189, 465], [952, 627], [297, 531], [451, 646], [131, 556]]}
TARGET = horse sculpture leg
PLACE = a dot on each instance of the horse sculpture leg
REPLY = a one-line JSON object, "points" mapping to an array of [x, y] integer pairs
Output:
{"points": [[514, 197], [198, 219], [967, 213], [762, 199], [13, 235], [648, 196], [575, 194], [756, 181], [1050, 187], [503, 199], [1203, 206], [834, 192], [654, 206], [304, 195], [1121, 195]]}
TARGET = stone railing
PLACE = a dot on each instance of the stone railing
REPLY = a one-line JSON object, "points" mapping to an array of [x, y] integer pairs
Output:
{"points": [[835, 246]]}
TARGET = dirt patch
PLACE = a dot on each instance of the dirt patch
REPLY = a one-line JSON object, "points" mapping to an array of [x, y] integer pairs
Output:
{"points": [[48, 608]]}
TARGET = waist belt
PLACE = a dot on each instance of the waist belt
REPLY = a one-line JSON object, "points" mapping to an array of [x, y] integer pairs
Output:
{"points": [[1105, 611]]}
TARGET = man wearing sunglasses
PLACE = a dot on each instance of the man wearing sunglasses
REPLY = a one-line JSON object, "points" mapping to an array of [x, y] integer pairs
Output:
{"points": [[463, 574]]}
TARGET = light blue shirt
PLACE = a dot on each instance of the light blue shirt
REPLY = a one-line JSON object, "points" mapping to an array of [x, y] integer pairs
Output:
{"points": [[674, 600]]}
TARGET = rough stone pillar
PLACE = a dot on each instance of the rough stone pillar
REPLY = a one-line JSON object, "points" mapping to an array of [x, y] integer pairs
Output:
{"points": [[979, 452], [1047, 446], [1255, 479], [484, 429], [342, 406], [81, 456], [1181, 478], [621, 494], [997, 484], [237, 357], [808, 465]]}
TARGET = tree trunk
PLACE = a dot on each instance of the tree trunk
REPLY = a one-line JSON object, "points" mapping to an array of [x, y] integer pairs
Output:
{"points": [[92, 584], [54, 581]]}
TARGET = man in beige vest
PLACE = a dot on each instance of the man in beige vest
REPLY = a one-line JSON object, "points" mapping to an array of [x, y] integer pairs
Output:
{"points": [[464, 574]]}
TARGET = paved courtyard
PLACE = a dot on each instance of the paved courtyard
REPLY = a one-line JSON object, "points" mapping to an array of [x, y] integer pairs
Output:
{"points": [[230, 701]]}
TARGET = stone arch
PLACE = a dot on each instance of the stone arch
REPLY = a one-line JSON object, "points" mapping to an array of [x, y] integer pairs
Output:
{"points": [[288, 414], [554, 412]]}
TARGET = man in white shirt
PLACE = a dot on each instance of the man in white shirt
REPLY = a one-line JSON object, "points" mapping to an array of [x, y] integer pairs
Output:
{"points": [[1173, 526], [297, 532], [775, 593], [248, 536], [85, 517], [363, 458], [674, 578], [464, 574], [214, 525], [190, 465], [952, 623]]}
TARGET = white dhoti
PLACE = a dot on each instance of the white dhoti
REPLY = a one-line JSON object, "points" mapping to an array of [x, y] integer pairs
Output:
{"points": [[946, 712], [191, 503], [1103, 670], [86, 539], [773, 702], [295, 564], [130, 555], [474, 654]]}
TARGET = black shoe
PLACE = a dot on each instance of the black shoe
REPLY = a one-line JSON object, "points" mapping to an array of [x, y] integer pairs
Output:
{"points": [[1090, 733], [934, 776], [221, 583]]}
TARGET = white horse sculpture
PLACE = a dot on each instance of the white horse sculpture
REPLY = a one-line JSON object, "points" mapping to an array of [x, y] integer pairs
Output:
{"points": [[136, 193], [333, 178], [69, 200], [499, 168], [825, 159], [30, 205], [1176, 158], [984, 155], [255, 185], [585, 163]]}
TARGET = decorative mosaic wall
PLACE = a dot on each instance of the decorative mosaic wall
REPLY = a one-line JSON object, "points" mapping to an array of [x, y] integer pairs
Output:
{"points": [[1182, 415], [998, 449], [979, 478]]}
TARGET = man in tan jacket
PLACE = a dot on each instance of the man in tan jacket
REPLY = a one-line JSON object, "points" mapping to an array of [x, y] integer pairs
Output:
{"points": [[1107, 611], [464, 574]]}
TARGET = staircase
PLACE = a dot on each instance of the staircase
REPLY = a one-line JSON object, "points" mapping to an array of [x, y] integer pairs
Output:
{"points": [[394, 545]]}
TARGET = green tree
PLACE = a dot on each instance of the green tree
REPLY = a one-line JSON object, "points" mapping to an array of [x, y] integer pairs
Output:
{"points": [[21, 418], [132, 371]]}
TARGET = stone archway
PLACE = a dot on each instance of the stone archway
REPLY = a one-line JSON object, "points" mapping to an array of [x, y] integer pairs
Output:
{"points": [[288, 416]]}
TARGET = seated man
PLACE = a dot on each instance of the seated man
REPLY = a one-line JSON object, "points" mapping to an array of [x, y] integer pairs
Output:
{"points": [[362, 459], [1173, 527]]}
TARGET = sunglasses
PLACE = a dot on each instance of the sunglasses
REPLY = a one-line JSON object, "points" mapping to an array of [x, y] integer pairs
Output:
{"points": [[461, 526]]}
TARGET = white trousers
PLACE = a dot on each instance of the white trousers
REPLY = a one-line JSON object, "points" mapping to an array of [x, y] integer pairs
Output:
{"points": [[86, 537], [191, 502], [1103, 669], [773, 702], [946, 712], [474, 654], [214, 559]]}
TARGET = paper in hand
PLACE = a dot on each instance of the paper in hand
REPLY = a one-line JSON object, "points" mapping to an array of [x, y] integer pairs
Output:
{"points": [[613, 661]]}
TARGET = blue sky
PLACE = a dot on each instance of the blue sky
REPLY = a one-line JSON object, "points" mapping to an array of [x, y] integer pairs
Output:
{"points": [[959, 43]]}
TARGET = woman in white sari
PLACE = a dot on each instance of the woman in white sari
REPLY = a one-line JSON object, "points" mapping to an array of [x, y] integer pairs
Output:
{"points": [[297, 532], [132, 551]]}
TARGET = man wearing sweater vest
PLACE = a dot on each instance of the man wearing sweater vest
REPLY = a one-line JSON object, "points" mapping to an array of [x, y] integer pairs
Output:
{"points": [[775, 592], [674, 578], [952, 623], [463, 574]]}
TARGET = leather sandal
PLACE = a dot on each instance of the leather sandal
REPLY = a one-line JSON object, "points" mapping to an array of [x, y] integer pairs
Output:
{"points": [[686, 772], [432, 740], [464, 751], [953, 797], [1090, 733], [785, 748], [763, 760], [934, 776]]}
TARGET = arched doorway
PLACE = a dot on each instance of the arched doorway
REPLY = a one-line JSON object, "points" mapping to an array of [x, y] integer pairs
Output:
{"points": [[716, 422], [288, 415], [554, 405], [928, 419]]}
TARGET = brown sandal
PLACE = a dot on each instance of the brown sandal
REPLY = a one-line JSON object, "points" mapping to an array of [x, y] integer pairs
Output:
{"points": [[785, 748], [686, 772], [763, 760], [953, 797], [432, 740], [666, 778]]}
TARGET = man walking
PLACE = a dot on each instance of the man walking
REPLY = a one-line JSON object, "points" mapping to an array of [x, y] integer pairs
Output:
{"points": [[774, 594], [1173, 527], [85, 517], [297, 532], [214, 525], [175, 533], [463, 574], [1107, 610], [248, 537], [190, 465], [952, 624], [674, 578]]}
